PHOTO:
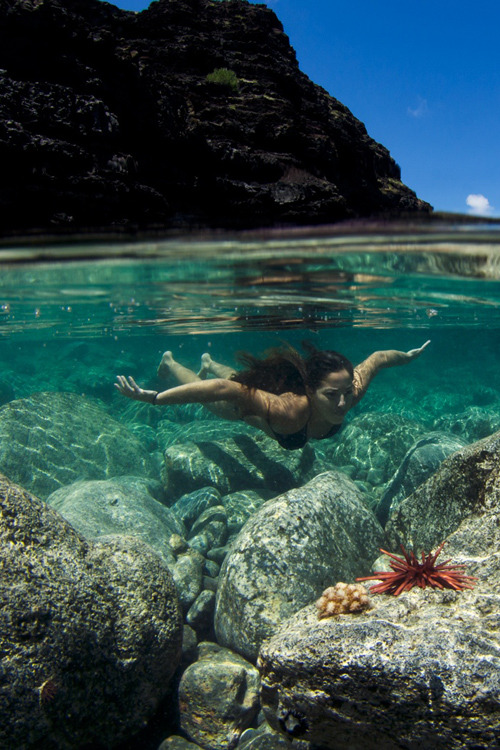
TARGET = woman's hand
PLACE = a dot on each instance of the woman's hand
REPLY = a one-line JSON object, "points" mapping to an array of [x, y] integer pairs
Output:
{"points": [[129, 388], [414, 353]]}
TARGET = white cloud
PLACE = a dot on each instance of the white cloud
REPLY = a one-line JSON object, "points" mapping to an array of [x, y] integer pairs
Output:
{"points": [[421, 110], [479, 205]]}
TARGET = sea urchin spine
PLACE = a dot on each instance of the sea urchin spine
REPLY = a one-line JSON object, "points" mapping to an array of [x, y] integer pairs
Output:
{"points": [[408, 572]]}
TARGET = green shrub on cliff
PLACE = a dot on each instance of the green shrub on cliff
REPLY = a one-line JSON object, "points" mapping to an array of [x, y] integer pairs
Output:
{"points": [[224, 78]]}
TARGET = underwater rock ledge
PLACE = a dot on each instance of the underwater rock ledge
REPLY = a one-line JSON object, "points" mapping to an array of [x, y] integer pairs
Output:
{"points": [[109, 120]]}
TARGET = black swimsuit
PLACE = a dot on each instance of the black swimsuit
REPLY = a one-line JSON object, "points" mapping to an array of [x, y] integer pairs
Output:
{"points": [[297, 440]]}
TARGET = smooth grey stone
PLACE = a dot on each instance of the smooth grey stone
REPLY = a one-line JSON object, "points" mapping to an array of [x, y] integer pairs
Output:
{"points": [[421, 461], [209, 530], [288, 553], [210, 584], [201, 543], [177, 743], [211, 568], [253, 739], [201, 613], [218, 554], [241, 505], [121, 505], [223, 688], [190, 507], [189, 644], [188, 576], [242, 462]]}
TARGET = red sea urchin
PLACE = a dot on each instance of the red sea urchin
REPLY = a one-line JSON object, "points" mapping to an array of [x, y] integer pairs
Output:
{"points": [[409, 572]]}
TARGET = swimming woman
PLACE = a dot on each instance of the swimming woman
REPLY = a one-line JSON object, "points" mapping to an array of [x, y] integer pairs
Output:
{"points": [[290, 398]]}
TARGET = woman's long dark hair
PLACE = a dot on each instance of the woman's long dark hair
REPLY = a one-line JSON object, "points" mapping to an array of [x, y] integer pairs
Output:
{"points": [[284, 370]]}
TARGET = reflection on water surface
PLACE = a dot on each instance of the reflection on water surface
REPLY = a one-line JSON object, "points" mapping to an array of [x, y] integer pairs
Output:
{"points": [[381, 281]]}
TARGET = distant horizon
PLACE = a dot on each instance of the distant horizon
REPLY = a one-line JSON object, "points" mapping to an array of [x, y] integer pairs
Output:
{"points": [[424, 81]]}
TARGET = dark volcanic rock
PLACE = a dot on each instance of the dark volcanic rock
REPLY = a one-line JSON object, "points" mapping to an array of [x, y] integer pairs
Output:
{"points": [[107, 119]]}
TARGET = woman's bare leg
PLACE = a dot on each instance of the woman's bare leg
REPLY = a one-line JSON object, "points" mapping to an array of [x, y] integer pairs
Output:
{"points": [[209, 367], [168, 366]]}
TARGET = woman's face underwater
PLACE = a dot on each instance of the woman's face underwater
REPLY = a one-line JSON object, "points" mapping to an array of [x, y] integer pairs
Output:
{"points": [[334, 396]]}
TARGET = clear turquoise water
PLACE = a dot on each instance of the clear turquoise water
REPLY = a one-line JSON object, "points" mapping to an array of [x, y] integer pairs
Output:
{"points": [[72, 316]]}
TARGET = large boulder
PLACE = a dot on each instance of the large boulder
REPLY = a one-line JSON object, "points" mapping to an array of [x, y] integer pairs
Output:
{"points": [[287, 553], [372, 446], [474, 423], [193, 423], [421, 461], [418, 671], [91, 632], [123, 505], [240, 506], [52, 439], [468, 482], [241, 462]]}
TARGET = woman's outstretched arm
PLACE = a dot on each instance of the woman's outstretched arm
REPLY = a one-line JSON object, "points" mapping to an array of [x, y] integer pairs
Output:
{"points": [[198, 392], [287, 412], [366, 370]]}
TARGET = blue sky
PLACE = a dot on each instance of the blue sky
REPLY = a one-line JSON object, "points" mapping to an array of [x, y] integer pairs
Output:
{"points": [[424, 77]]}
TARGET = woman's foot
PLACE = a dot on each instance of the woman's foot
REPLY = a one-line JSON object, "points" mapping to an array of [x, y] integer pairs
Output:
{"points": [[206, 363], [166, 362]]}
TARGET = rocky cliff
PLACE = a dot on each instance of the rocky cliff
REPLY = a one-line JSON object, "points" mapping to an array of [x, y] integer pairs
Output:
{"points": [[114, 119]]}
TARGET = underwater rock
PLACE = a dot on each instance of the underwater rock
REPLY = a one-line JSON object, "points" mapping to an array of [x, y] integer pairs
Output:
{"points": [[91, 632], [54, 439], [466, 484], [422, 460], [242, 462], [201, 613], [188, 577], [175, 742], [203, 427], [218, 697], [218, 554], [417, 670], [373, 445], [265, 739], [288, 553], [189, 507], [474, 423], [189, 645], [209, 531], [122, 505], [240, 506]]}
